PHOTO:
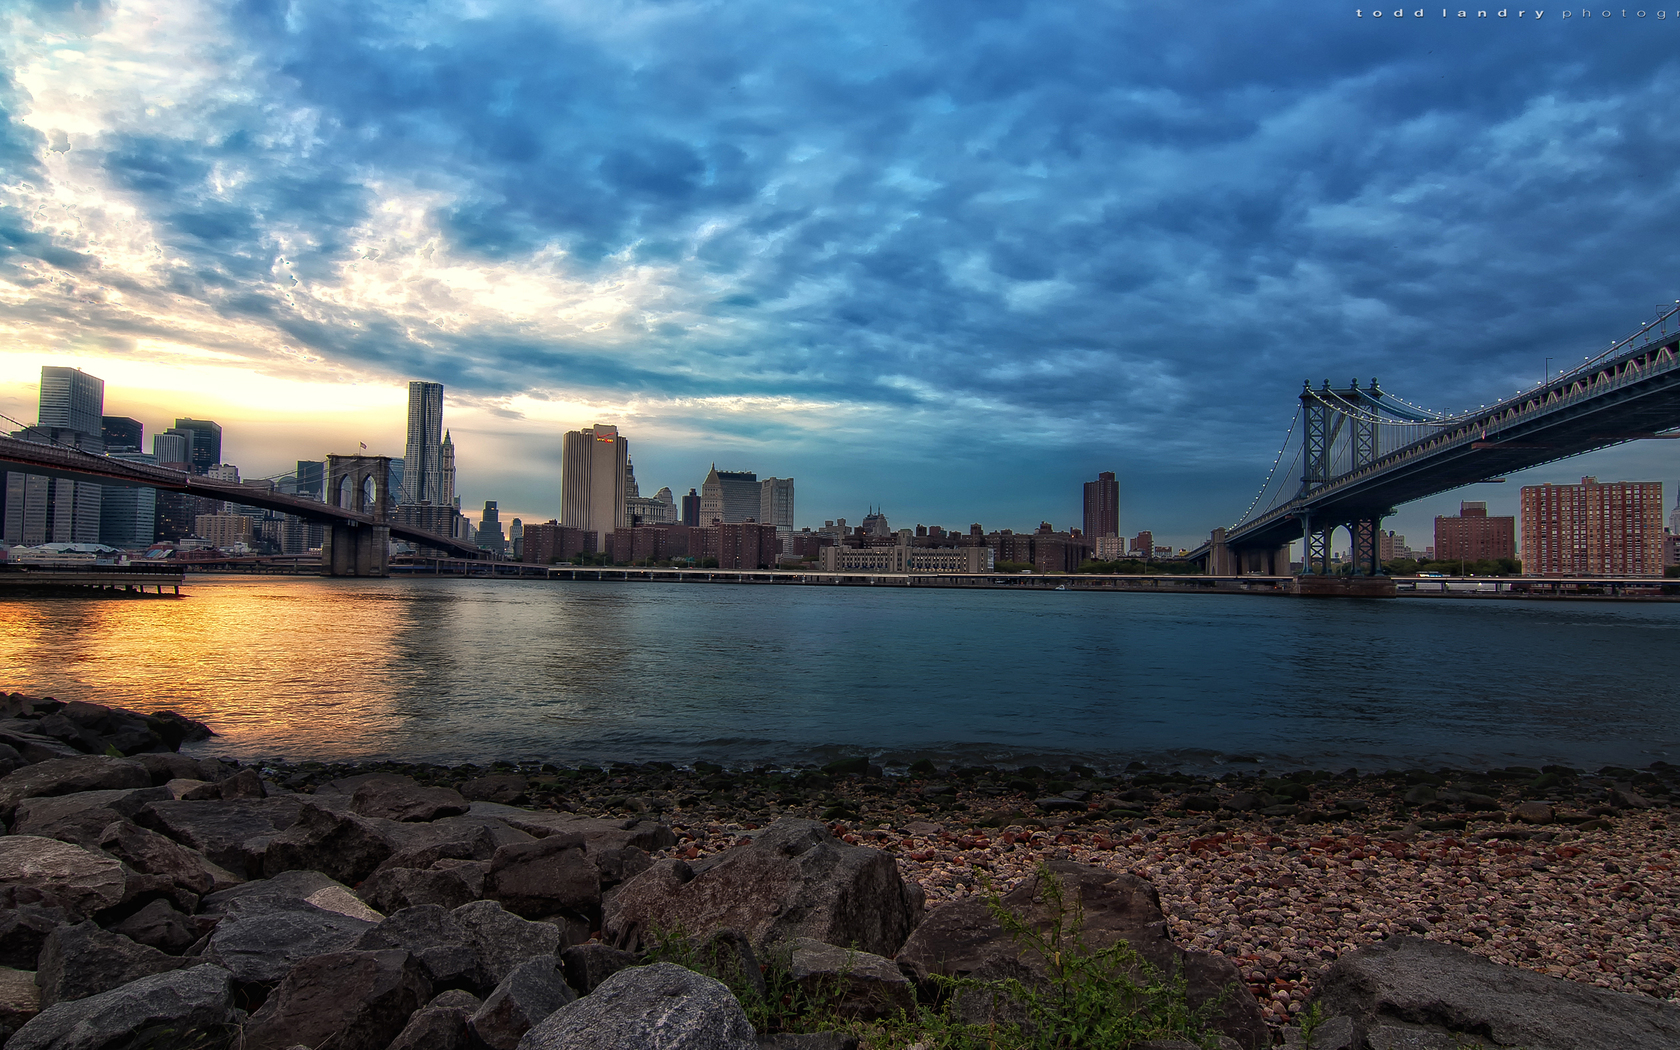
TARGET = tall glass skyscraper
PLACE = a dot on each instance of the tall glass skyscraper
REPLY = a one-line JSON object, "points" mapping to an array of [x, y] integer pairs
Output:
{"points": [[206, 449], [422, 474]]}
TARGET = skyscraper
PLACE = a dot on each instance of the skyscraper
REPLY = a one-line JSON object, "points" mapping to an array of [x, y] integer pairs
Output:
{"points": [[422, 457], [691, 508], [775, 502], [594, 467], [1591, 529], [312, 478], [490, 529], [173, 449], [206, 448], [446, 472], [121, 432], [72, 399], [57, 510], [729, 496], [1102, 506], [128, 516]]}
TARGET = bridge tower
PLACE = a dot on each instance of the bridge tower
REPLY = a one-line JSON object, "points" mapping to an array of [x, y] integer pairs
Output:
{"points": [[1327, 415], [360, 484]]}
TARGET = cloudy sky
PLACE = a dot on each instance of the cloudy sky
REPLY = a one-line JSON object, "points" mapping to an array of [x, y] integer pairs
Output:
{"points": [[951, 258]]}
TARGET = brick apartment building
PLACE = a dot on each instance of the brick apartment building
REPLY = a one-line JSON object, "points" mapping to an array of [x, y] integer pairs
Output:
{"points": [[1613, 529]]}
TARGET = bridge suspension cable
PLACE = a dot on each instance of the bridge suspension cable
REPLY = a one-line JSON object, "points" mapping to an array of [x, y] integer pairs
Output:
{"points": [[1273, 472]]}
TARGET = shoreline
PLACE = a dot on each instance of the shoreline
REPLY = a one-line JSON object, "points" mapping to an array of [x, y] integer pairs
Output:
{"points": [[1559, 871]]}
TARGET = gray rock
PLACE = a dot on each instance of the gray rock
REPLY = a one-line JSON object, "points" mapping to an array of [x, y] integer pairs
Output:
{"points": [[436, 939], [159, 925], [808, 1041], [1058, 804], [502, 941], [81, 817], [153, 854], [598, 833], [439, 1025], [1409, 980], [345, 1000], [393, 889], [658, 1007], [963, 939], [1623, 796], [470, 872], [508, 790], [63, 776], [20, 1000], [585, 966], [345, 846], [534, 879], [793, 880], [35, 870], [168, 765], [24, 929], [1392, 1036], [1532, 813], [1419, 795], [521, 1001], [233, 835], [400, 798], [199, 999], [422, 845], [83, 960], [260, 938], [291, 885], [854, 984]]}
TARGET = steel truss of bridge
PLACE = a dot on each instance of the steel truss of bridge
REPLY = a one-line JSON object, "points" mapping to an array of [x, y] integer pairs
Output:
{"points": [[1624, 396], [28, 457]]}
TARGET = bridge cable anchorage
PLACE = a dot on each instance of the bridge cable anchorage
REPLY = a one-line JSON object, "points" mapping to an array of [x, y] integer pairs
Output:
{"points": [[1273, 472]]}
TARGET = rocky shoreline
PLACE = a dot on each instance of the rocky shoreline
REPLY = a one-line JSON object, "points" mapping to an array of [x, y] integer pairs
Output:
{"points": [[484, 905]]}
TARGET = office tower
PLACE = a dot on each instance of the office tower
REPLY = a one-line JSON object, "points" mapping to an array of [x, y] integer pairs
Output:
{"points": [[1591, 529], [729, 496], [593, 471], [173, 449], [516, 539], [1102, 506], [775, 502], [312, 478], [446, 473], [422, 457], [128, 516], [56, 510], [206, 448], [223, 472], [72, 399], [1473, 536], [121, 432], [490, 529], [691, 508]]}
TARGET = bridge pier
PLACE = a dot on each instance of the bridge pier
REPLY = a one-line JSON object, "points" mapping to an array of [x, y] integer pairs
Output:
{"points": [[350, 548], [353, 549]]}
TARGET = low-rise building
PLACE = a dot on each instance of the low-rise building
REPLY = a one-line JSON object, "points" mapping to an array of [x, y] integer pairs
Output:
{"points": [[223, 531], [905, 558]]}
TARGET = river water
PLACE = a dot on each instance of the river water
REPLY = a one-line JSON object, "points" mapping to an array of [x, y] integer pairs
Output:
{"points": [[476, 670]]}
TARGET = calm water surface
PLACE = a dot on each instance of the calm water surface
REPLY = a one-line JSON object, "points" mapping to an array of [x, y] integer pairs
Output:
{"points": [[471, 670]]}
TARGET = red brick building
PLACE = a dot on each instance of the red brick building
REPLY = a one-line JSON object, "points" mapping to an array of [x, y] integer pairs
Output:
{"points": [[547, 544], [1591, 529], [1473, 536]]}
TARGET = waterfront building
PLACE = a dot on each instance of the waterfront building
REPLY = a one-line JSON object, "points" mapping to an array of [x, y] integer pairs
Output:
{"points": [[223, 531], [128, 516], [1143, 543], [36, 509], [205, 450], [691, 508], [516, 538], [729, 496], [1592, 529], [1102, 506], [1110, 548], [1674, 515], [594, 468], [490, 530], [1473, 536], [422, 462], [121, 432], [551, 542], [902, 557]]}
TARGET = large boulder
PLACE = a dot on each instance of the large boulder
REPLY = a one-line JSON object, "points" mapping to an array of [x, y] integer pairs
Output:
{"points": [[150, 853], [83, 816], [197, 999], [534, 879], [35, 870], [260, 938], [400, 798], [233, 835], [1411, 981], [63, 776], [658, 1007], [24, 929], [20, 1000], [161, 926], [853, 984], [439, 1025], [793, 880], [597, 832], [393, 889], [963, 939], [502, 941], [83, 960], [585, 966], [435, 938], [525, 997], [345, 1000], [345, 846], [165, 766]]}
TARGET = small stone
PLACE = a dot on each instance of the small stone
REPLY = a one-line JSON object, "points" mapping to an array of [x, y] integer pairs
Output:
{"points": [[1531, 813]]}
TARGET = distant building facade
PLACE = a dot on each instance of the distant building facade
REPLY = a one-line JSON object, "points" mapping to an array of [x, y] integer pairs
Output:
{"points": [[35, 509], [1473, 536], [729, 496], [122, 432], [594, 467], [128, 516], [1592, 529], [905, 558], [1102, 506], [691, 508], [490, 536], [422, 464], [205, 448], [775, 502], [223, 531], [550, 542]]}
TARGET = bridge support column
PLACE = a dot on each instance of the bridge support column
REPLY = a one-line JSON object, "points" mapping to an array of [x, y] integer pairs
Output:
{"points": [[353, 549], [1366, 555], [1315, 548]]}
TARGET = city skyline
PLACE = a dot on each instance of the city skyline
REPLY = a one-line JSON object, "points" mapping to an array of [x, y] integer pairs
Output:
{"points": [[987, 251]]}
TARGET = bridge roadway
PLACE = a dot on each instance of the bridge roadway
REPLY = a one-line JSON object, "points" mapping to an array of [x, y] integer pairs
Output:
{"points": [[1632, 395], [56, 461]]}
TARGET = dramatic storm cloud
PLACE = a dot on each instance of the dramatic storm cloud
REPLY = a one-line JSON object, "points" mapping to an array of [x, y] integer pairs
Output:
{"points": [[949, 257]]}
